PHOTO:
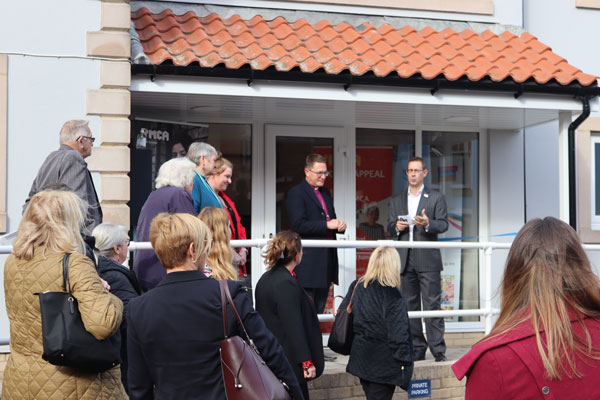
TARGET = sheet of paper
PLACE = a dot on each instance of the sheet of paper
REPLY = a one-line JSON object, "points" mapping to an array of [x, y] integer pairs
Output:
{"points": [[407, 218]]}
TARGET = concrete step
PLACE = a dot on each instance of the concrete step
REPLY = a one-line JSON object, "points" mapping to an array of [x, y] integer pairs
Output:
{"points": [[336, 383]]}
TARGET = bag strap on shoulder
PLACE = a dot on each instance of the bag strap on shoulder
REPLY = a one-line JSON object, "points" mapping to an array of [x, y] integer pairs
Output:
{"points": [[223, 284], [349, 308], [66, 283], [225, 289]]}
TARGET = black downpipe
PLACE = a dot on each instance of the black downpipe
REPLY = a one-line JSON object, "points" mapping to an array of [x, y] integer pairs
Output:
{"points": [[572, 158]]}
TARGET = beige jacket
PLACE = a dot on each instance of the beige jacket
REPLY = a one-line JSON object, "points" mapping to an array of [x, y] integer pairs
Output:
{"points": [[27, 375]]}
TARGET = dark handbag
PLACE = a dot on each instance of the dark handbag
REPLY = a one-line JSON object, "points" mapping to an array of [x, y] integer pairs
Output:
{"points": [[65, 340], [245, 375], [342, 334]]}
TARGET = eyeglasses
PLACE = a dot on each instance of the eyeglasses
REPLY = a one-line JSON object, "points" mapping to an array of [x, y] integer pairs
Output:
{"points": [[413, 171], [320, 173], [93, 139], [127, 242]]}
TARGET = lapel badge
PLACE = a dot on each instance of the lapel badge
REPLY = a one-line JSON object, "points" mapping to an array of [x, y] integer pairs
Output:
{"points": [[425, 195]]}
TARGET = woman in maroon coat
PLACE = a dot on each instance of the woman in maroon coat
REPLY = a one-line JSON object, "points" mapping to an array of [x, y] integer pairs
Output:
{"points": [[546, 342]]}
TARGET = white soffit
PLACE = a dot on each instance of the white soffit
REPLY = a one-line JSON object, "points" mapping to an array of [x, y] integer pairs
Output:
{"points": [[198, 108], [336, 92]]}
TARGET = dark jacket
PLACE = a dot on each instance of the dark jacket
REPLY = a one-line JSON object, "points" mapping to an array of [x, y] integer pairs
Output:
{"points": [[510, 367], [290, 314], [146, 265], [382, 347], [319, 266], [174, 335], [434, 203], [124, 285]]}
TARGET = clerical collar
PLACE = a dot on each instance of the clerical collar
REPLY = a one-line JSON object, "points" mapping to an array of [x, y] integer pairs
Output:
{"points": [[314, 187]]}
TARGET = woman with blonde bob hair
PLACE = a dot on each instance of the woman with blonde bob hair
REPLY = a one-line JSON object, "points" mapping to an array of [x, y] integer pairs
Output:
{"points": [[381, 354], [288, 311], [219, 264], [175, 330], [50, 229], [546, 340]]}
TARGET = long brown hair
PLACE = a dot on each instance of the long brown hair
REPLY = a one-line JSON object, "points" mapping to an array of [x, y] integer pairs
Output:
{"points": [[221, 255], [548, 275], [282, 249]]}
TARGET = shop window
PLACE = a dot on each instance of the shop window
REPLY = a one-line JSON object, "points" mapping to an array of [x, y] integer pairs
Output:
{"points": [[3, 128], [453, 162], [381, 158], [595, 181], [154, 142]]}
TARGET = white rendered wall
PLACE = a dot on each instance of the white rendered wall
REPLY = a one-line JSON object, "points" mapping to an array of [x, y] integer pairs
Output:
{"points": [[43, 91], [506, 185], [47, 27], [541, 171]]}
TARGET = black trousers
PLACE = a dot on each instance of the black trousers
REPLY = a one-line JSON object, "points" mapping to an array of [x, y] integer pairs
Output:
{"points": [[377, 391], [304, 388], [419, 286], [319, 297]]}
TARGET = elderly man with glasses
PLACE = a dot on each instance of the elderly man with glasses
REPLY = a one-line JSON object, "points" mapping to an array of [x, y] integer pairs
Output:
{"points": [[310, 209], [67, 166]]}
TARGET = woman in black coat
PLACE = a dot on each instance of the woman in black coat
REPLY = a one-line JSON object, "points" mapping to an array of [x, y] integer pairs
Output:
{"points": [[288, 311], [381, 354], [112, 244], [175, 329]]}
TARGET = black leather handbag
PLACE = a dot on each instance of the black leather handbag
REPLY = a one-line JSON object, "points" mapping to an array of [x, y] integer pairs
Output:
{"points": [[245, 374], [342, 333], [65, 340]]}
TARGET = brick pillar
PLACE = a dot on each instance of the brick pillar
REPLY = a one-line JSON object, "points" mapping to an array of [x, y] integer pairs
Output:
{"points": [[112, 102]]}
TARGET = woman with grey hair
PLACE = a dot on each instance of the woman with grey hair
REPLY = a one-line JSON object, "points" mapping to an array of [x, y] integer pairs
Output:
{"points": [[111, 251], [172, 195], [205, 157]]}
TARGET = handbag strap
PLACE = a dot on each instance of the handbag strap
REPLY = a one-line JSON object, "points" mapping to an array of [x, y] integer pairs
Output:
{"points": [[349, 308], [223, 284], [225, 288], [65, 264]]}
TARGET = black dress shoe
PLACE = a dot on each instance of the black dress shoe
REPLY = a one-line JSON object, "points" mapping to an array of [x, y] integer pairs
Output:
{"points": [[440, 357], [418, 356]]}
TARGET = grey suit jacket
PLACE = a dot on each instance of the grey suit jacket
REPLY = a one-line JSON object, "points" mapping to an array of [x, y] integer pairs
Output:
{"points": [[435, 207], [68, 167]]}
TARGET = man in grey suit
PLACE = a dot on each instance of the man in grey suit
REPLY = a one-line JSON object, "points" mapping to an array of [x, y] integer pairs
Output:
{"points": [[67, 166], [420, 214]]}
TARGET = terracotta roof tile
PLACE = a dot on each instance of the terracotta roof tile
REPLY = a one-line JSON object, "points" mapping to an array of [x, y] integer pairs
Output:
{"points": [[382, 51]]}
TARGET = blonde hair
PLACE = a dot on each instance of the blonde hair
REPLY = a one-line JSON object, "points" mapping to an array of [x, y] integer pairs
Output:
{"points": [[282, 249], [221, 165], [383, 268], [53, 219], [548, 276], [221, 255], [171, 235]]}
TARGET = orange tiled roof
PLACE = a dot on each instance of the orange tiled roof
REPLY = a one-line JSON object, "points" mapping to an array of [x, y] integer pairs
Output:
{"points": [[259, 44]]}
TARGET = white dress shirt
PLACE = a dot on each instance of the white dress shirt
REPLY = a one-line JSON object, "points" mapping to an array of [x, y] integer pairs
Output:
{"points": [[413, 203]]}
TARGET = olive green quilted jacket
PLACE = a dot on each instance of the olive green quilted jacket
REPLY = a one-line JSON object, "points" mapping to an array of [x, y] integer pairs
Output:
{"points": [[27, 376]]}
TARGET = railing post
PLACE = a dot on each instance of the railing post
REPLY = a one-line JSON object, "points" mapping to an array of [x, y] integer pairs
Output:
{"points": [[488, 288]]}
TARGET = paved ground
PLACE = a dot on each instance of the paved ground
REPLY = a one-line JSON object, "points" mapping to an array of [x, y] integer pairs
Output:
{"points": [[339, 365]]}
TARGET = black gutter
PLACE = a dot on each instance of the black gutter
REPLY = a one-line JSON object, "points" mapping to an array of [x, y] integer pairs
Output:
{"points": [[572, 159], [347, 80]]}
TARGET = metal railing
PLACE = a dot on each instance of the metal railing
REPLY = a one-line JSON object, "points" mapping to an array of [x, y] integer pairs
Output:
{"points": [[485, 268]]}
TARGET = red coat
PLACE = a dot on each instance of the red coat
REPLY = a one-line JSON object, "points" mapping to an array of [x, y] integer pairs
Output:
{"points": [[510, 367], [235, 223]]}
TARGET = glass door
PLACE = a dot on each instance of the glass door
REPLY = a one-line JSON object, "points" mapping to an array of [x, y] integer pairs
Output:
{"points": [[286, 147]]}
